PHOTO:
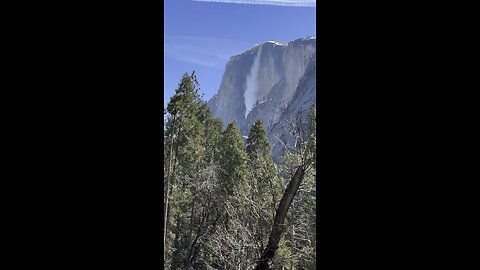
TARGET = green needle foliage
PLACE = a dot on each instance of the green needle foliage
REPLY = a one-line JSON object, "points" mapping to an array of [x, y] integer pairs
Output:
{"points": [[233, 161], [221, 193]]}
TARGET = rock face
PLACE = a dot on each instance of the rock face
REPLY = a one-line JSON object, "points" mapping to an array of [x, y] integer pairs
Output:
{"points": [[275, 82]]}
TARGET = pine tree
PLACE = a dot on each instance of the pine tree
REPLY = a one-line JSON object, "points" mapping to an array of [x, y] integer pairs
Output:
{"points": [[267, 186], [196, 188], [257, 141], [261, 163], [233, 160], [221, 195], [184, 132]]}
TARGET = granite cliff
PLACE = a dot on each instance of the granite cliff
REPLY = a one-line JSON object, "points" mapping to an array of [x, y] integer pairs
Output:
{"points": [[273, 81]]}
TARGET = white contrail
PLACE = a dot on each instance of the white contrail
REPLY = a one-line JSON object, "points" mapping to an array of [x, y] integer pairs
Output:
{"points": [[291, 3]]}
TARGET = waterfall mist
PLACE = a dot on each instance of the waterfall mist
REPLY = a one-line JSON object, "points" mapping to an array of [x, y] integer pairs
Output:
{"points": [[251, 91]]}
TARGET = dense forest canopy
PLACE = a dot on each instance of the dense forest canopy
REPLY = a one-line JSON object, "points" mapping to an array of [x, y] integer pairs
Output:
{"points": [[227, 204]]}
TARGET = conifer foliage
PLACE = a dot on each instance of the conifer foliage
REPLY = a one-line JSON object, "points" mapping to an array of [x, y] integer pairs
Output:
{"points": [[233, 160], [223, 195]]}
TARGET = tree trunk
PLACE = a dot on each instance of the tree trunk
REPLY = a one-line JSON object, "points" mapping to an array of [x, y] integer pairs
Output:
{"points": [[278, 226], [188, 255], [168, 192]]}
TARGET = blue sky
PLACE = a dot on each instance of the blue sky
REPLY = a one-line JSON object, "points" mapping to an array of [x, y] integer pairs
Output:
{"points": [[201, 35]]}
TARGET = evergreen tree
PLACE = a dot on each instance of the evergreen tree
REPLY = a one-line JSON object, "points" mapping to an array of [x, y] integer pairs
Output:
{"points": [[233, 160], [257, 141], [221, 195], [262, 166], [194, 146], [184, 134], [267, 186]]}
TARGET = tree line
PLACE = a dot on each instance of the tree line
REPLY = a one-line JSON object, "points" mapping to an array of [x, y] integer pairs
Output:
{"points": [[227, 205]]}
